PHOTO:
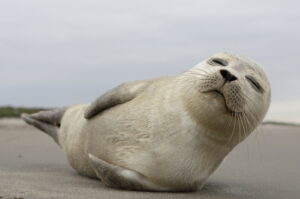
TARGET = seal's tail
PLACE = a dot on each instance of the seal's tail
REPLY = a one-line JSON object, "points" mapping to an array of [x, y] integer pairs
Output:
{"points": [[47, 121]]}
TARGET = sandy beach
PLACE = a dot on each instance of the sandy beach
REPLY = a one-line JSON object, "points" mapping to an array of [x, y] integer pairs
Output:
{"points": [[266, 165]]}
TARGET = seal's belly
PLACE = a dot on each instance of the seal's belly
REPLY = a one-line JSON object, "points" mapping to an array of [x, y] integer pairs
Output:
{"points": [[131, 129]]}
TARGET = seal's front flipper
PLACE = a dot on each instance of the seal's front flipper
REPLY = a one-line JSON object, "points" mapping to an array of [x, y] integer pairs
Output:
{"points": [[121, 178], [47, 121], [119, 95]]}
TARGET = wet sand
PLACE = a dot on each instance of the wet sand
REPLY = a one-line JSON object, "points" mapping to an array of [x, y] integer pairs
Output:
{"points": [[266, 165]]}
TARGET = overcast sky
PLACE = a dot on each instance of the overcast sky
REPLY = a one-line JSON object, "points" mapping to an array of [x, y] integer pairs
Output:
{"points": [[61, 52]]}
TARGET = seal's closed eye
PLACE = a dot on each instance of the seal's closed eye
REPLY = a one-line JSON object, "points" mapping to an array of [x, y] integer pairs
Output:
{"points": [[217, 61], [254, 83]]}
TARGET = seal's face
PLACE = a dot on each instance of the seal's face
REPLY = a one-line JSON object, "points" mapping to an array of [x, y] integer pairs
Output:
{"points": [[235, 90]]}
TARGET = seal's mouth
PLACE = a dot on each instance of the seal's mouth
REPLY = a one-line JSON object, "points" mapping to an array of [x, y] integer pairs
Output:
{"points": [[219, 94], [216, 93]]}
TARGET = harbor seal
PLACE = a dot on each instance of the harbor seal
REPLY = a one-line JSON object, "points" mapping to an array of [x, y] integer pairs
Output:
{"points": [[163, 134]]}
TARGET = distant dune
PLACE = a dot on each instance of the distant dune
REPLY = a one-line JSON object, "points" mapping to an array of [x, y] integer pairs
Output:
{"points": [[14, 112], [280, 123]]}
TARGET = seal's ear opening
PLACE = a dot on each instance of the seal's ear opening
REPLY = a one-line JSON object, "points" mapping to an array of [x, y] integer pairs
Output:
{"points": [[46, 121]]}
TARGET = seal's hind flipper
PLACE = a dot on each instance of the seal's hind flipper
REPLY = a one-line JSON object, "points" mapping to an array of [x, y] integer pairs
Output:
{"points": [[53, 116], [119, 95], [47, 128], [118, 177], [47, 121]]}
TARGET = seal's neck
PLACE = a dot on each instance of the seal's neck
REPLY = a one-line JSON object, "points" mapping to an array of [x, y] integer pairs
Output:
{"points": [[219, 126]]}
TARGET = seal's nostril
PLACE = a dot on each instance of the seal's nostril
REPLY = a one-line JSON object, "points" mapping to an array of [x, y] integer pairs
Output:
{"points": [[224, 73], [227, 75]]}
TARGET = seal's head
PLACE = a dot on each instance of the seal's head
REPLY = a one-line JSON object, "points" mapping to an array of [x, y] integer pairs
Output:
{"points": [[234, 94]]}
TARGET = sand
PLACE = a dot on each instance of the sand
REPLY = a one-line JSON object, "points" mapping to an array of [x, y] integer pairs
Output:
{"points": [[266, 165]]}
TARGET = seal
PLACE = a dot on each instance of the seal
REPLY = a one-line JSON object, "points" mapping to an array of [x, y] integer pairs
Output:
{"points": [[163, 134]]}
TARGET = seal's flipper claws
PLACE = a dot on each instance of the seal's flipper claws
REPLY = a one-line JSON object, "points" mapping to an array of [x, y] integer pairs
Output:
{"points": [[118, 177], [26, 117]]}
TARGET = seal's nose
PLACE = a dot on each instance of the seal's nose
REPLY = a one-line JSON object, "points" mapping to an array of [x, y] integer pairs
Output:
{"points": [[227, 75]]}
